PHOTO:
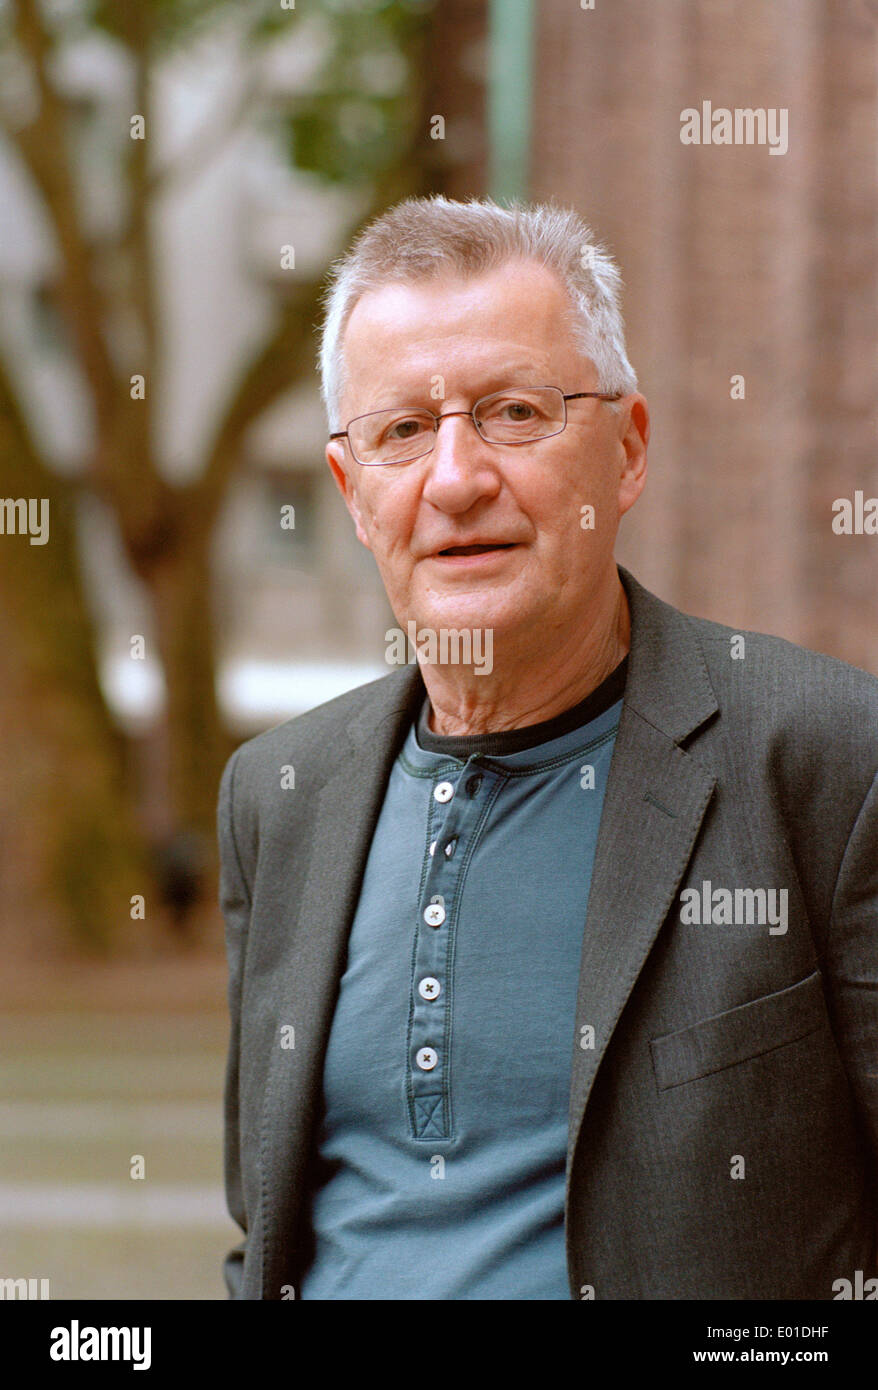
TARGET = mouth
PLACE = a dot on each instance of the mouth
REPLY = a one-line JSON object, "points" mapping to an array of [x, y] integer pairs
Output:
{"points": [[475, 549]]}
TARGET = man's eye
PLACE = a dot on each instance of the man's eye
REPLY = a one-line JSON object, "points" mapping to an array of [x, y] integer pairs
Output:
{"points": [[519, 410], [510, 412], [404, 429]]}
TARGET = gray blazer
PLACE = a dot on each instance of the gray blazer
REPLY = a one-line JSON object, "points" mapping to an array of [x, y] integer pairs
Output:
{"points": [[723, 1138]]}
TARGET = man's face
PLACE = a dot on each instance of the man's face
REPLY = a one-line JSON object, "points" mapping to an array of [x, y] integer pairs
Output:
{"points": [[505, 328]]}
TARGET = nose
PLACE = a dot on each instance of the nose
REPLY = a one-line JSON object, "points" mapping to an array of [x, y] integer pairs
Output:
{"points": [[462, 467]]}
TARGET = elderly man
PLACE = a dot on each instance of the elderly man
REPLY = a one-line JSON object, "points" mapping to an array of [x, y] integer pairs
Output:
{"points": [[556, 973]]}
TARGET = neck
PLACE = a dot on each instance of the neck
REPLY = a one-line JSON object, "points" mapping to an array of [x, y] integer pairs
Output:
{"points": [[528, 688]]}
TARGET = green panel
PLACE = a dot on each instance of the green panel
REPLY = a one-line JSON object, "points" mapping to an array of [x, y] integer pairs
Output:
{"points": [[510, 75]]}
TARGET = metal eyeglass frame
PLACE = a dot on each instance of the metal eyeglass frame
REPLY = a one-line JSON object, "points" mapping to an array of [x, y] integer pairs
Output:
{"points": [[503, 443]]}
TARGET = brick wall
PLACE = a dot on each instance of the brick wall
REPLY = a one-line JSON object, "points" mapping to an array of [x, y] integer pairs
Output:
{"points": [[736, 261]]}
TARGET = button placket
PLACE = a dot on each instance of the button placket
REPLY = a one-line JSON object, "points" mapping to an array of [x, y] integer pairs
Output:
{"points": [[455, 814]]}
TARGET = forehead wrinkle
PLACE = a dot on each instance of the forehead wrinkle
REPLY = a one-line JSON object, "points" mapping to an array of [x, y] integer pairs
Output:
{"points": [[481, 368], [481, 383], [388, 363]]}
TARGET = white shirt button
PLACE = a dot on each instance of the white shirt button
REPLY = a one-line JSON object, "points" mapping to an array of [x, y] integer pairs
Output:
{"points": [[433, 847], [443, 792], [434, 915], [426, 1058], [429, 988]]}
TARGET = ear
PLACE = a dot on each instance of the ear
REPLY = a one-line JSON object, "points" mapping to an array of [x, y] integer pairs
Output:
{"points": [[633, 424], [335, 457]]}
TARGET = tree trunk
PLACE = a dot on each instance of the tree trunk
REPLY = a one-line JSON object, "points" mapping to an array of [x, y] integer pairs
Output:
{"points": [[70, 838], [195, 745]]}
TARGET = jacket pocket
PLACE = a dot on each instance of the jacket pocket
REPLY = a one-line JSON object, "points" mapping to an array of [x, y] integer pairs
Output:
{"points": [[747, 1031]]}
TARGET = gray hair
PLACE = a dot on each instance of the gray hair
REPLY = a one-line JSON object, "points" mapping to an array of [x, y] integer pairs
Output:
{"points": [[421, 238]]}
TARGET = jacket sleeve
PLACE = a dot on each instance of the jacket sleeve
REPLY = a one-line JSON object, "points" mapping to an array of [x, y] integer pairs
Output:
{"points": [[853, 963], [235, 904]]}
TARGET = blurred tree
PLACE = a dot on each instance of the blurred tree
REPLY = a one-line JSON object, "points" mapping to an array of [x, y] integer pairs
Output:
{"points": [[358, 132]]}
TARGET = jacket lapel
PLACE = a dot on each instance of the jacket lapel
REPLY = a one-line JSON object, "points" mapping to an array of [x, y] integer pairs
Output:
{"points": [[654, 804]]}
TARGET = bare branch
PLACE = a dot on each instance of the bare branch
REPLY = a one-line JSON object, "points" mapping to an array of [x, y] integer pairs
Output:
{"points": [[43, 147], [137, 31], [22, 469], [284, 358], [287, 355]]}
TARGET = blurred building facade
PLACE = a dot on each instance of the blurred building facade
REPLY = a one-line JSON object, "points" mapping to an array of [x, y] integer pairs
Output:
{"points": [[736, 263]]}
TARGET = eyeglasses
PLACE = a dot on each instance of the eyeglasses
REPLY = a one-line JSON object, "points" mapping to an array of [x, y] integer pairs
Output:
{"points": [[518, 415]]}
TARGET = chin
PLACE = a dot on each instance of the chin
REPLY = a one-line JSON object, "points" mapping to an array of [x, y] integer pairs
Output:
{"points": [[501, 618]]}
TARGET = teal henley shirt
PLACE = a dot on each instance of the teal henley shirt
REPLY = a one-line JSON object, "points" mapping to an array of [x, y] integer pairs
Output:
{"points": [[440, 1168]]}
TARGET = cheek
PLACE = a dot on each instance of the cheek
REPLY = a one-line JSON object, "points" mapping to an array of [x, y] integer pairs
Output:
{"points": [[567, 535], [555, 511], [387, 518], [369, 505], [592, 484], [382, 524]]}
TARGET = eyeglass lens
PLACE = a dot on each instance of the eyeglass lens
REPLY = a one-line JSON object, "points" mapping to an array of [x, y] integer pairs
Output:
{"points": [[511, 416]]}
